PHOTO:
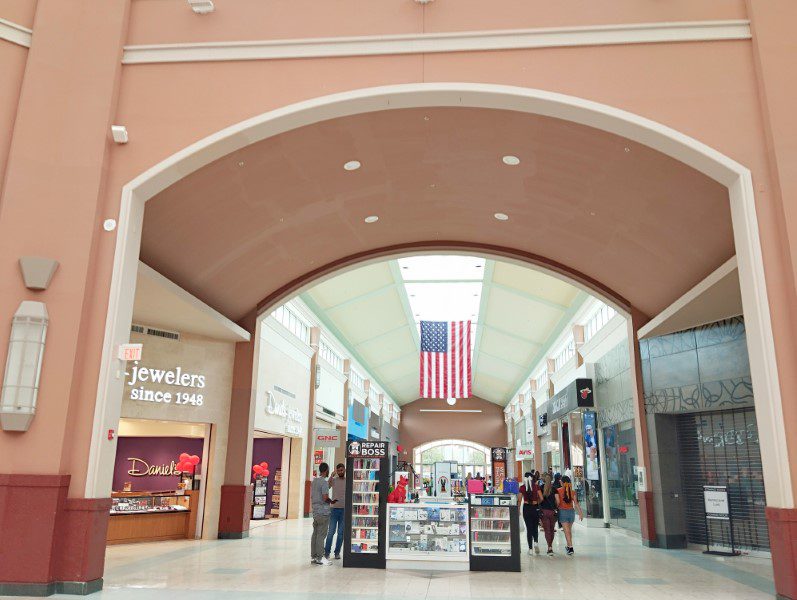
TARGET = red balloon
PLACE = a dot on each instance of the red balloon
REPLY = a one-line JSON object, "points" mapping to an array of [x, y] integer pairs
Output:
{"points": [[184, 456], [254, 467], [193, 459], [264, 465], [400, 448], [258, 469], [266, 472]]}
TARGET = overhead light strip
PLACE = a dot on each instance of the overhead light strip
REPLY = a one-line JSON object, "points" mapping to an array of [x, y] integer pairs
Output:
{"points": [[450, 410]]}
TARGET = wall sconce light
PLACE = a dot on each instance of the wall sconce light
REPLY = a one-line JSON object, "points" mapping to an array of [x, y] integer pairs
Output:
{"points": [[119, 134], [202, 7], [23, 366]]}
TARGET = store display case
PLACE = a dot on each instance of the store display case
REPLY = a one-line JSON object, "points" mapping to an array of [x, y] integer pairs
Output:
{"points": [[494, 533], [276, 491], [424, 535], [143, 517], [149, 503], [260, 498], [368, 469]]}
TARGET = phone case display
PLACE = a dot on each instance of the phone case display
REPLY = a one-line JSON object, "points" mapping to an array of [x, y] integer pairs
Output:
{"points": [[260, 498], [428, 531], [276, 490], [123, 505], [494, 537], [367, 476]]}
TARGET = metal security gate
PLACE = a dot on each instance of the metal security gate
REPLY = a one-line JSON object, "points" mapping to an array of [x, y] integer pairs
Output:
{"points": [[722, 448]]}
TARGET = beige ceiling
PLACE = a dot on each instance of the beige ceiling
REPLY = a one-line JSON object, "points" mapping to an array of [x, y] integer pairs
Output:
{"points": [[522, 311], [259, 220], [161, 303]]}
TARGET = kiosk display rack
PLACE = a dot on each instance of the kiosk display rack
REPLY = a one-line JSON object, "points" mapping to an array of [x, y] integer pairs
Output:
{"points": [[367, 481], [494, 534], [259, 498], [427, 536], [276, 490]]}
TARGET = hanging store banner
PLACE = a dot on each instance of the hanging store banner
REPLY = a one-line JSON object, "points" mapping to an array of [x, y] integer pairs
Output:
{"points": [[579, 394], [356, 449], [591, 446], [326, 438], [499, 458]]}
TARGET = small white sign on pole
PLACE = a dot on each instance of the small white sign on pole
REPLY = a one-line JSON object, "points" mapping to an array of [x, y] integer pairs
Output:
{"points": [[715, 498]]}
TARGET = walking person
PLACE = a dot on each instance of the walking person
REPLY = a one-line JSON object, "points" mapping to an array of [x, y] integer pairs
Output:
{"points": [[568, 505], [557, 484], [320, 504], [548, 511], [337, 483], [529, 497]]}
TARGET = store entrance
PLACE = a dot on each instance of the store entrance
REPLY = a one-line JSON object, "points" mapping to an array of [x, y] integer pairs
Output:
{"points": [[159, 481]]}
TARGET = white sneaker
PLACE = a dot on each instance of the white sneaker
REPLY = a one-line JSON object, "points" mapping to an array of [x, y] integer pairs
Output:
{"points": [[531, 551], [536, 548], [325, 562]]}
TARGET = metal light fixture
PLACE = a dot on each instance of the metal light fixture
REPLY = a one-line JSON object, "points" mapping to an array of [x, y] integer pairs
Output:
{"points": [[23, 366], [202, 7]]}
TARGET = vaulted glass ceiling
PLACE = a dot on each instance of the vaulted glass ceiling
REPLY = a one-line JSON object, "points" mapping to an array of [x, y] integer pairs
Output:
{"points": [[516, 312]]}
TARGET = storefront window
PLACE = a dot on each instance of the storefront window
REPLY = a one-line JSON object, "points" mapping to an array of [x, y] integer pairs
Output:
{"points": [[621, 458], [471, 458]]}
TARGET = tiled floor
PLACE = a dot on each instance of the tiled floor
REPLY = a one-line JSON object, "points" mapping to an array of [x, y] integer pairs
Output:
{"points": [[274, 563]]}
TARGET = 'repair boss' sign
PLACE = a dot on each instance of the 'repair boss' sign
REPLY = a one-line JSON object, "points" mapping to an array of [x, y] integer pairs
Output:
{"points": [[578, 394], [355, 449]]}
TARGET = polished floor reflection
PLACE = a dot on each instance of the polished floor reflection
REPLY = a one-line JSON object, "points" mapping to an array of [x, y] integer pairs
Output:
{"points": [[274, 563]]}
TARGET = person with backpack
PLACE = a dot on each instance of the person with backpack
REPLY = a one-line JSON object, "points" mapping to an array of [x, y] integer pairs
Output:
{"points": [[568, 505], [548, 511], [529, 498]]}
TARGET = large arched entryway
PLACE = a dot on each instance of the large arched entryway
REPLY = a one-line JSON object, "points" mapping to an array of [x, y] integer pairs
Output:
{"points": [[419, 193]]}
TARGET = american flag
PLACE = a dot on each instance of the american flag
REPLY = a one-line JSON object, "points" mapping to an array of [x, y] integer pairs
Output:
{"points": [[445, 359]]}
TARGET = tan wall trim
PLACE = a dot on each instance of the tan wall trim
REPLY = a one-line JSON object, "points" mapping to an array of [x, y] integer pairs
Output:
{"points": [[470, 41]]}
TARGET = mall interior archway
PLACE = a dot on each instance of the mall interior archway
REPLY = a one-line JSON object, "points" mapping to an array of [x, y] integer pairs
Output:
{"points": [[618, 205]]}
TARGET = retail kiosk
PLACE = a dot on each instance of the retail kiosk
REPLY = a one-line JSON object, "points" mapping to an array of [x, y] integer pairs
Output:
{"points": [[494, 533], [367, 482]]}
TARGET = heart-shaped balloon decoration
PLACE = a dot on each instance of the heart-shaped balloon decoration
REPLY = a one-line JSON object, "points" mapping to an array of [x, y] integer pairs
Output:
{"points": [[258, 469], [193, 459], [184, 456], [254, 468], [266, 472], [264, 465]]}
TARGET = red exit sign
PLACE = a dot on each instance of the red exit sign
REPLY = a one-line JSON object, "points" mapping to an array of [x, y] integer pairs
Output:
{"points": [[130, 351]]}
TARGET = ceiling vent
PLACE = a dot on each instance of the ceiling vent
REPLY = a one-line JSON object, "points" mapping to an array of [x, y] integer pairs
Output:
{"points": [[162, 333]]}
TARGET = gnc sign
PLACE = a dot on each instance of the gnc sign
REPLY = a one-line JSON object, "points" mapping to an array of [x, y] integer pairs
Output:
{"points": [[326, 438]]}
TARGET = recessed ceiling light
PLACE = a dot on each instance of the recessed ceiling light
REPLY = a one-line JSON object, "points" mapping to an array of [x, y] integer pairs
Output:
{"points": [[352, 165], [501, 216], [241, 164], [371, 219], [510, 160], [426, 118], [627, 149]]}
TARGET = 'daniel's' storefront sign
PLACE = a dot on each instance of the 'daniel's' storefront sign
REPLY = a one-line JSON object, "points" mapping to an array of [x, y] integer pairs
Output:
{"points": [[151, 464]]}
